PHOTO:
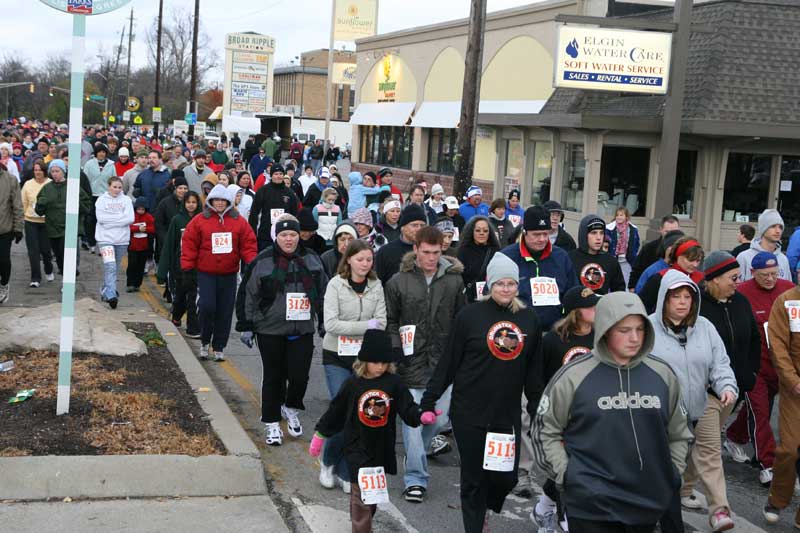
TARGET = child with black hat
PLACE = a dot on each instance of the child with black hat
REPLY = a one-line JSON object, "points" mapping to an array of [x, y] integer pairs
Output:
{"points": [[365, 411]]}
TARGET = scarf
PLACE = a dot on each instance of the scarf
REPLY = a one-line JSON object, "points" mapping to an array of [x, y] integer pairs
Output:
{"points": [[622, 238], [281, 272]]}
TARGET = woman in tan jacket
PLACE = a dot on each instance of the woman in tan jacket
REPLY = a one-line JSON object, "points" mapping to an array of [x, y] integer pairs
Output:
{"points": [[35, 234]]}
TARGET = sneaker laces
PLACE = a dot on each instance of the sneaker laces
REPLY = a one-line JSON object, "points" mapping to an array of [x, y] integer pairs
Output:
{"points": [[274, 431]]}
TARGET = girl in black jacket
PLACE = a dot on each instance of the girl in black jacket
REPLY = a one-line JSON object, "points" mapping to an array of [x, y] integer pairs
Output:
{"points": [[477, 246]]}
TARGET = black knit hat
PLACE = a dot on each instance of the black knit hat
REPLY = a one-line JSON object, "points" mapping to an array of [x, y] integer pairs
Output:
{"points": [[579, 298], [180, 180], [306, 218], [670, 238], [537, 218], [100, 147], [412, 213], [286, 225], [377, 347], [276, 168]]}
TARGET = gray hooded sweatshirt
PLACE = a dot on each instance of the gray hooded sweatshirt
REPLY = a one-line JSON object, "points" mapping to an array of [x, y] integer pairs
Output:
{"points": [[614, 437], [699, 358], [745, 259]]}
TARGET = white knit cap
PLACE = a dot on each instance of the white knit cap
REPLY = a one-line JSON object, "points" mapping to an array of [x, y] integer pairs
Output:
{"points": [[437, 189]]}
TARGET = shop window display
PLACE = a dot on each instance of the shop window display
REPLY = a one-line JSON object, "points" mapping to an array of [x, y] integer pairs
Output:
{"points": [[683, 199], [746, 193], [574, 177], [387, 145], [789, 194], [624, 172], [542, 172], [441, 148]]}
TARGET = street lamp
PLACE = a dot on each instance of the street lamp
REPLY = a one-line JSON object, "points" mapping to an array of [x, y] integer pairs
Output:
{"points": [[9, 85], [105, 98]]}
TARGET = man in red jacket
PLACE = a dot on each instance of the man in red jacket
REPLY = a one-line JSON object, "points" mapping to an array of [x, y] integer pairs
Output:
{"points": [[213, 244], [752, 424]]}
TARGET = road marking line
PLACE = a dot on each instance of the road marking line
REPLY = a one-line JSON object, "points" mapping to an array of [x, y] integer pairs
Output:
{"points": [[395, 513], [322, 519]]}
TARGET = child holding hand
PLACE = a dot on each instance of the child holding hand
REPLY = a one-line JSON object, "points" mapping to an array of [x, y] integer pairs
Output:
{"points": [[365, 410], [142, 230]]}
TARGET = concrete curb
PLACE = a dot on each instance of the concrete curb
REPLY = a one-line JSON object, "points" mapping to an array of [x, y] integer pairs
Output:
{"points": [[240, 473]]}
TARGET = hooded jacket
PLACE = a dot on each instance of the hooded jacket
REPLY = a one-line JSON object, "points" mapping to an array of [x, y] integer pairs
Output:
{"points": [[599, 272], [358, 192], [328, 217], [431, 308], [170, 261], [700, 360], [272, 200], [594, 402], [165, 211], [745, 259], [149, 182], [201, 233], [52, 204], [347, 313], [140, 240], [785, 343], [114, 217], [11, 215], [98, 177]]}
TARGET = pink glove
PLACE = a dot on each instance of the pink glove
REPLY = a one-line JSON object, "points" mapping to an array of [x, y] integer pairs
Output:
{"points": [[429, 417], [315, 448]]}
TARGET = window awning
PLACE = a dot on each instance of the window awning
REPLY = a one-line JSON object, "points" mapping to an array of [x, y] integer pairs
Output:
{"points": [[447, 114], [241, 124], [386, 114], [511, 107], [216, 114]]}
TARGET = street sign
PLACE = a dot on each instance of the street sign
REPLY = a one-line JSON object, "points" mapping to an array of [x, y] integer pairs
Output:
{"points": [[96, 97], [156, 114], [137, 119], [85, 7], [190, 118], [126, 116], [112, 118], [133, 103]]}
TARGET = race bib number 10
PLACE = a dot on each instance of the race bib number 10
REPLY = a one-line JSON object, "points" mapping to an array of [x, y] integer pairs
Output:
{"points": [[372, 483], [544, 291]]}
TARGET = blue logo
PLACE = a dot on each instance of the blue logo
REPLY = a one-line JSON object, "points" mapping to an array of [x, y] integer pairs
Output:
{"points": [[572, 49]]}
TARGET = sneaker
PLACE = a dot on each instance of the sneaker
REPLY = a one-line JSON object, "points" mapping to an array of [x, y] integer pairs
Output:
{"points": [[219, 356], [84, 246], [204, 352], [765, 477], [439, 446], [176, 323], [130, 289], [113, 303], [546, 522], [345, 485], [721, 521], [695, 500], [193, 335], [771, 513], [292, 421], [737, 451], [326, 477], [34, 284], [415, 494], [274, 434], [50, 277], [4, 292], [564, 524], [523, 488]]}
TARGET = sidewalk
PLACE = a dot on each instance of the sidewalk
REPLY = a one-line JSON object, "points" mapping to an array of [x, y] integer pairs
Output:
{"points": [[251, 511]]}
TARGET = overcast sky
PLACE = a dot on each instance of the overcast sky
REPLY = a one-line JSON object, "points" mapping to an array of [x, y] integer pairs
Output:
{"points": [[32, 30]]}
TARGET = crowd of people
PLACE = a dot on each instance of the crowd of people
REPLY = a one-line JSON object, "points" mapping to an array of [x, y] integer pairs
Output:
{"points": [[608, 367]]}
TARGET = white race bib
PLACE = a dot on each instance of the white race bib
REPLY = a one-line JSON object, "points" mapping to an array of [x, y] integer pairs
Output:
{"points": [[407, 339], [515, 220], [372, 483], [298, 306], [544, 291], [349, 345], [793, 310], [479, 285], [107, 253], [499, 452], [222, 242], [139, 235], [274, 214], [766, 333]]}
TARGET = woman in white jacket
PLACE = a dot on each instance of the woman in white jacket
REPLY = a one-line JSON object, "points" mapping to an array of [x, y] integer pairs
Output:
{"points": [[113, 233], [690, 344], [354, 303]]}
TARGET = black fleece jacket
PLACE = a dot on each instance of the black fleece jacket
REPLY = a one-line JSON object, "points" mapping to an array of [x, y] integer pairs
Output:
{"points": [[599, 272]]}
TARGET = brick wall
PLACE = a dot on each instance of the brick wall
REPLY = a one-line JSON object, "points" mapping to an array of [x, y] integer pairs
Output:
{"points": [[404, 179]]}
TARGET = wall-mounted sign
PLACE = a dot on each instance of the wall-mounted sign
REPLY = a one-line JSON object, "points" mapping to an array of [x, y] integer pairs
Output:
{"points": [[344, 74], [387, 87], [355, 19], [613, 60], [85, 7]]}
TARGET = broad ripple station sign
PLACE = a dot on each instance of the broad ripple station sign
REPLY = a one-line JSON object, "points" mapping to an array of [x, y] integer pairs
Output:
{"points": [[613, 60], [85, 7]]}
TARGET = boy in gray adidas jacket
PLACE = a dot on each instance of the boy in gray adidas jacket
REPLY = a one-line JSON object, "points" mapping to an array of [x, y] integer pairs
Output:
{"points": [[610, 429]]}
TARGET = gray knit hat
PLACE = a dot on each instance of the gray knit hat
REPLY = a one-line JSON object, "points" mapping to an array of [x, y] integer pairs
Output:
{"points": [[445, 225], [767, 219], [501, 267], [717, 263]]}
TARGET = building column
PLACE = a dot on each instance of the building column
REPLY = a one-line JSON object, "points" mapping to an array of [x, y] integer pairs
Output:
{"points": [[593, 153], [416, 154]]}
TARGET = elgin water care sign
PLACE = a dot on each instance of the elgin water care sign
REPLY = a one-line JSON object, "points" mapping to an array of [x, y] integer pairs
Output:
{"points": [[613, 60]]}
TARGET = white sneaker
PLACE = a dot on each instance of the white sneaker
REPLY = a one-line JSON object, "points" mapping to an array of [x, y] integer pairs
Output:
{"points": [[546, 522], [737, 451], [50, 277], [274, 434], [695, 500], [564, 524], [219, 356], [765, 477], [5, 290], [345, 485], [34, 285], [292, 421], [204, 352], [326, 477]]}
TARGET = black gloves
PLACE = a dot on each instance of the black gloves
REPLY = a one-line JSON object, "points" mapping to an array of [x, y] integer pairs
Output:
{"points": [[17, 237]]}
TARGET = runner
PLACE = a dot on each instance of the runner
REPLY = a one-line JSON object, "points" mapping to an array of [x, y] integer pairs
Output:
{"points": [[488, 361], [98, 169], [595, 269], [501, 226], [770, 231], [345, 232], [328, 215], [388, 221], [557, 234], [272, 200], [514, 210], [35, 232], [590, 402], [281, 293], [364, 412], [11, 226], [214, 243], [652, 251], [358, 191], [389, 257], [623, 238], [197, 171], [473, 206], [445, 225], [421, 302], [686, 257], [114, 212], [354, 303], [129, 178], [140, 248], [664, 250], [477, 246]]}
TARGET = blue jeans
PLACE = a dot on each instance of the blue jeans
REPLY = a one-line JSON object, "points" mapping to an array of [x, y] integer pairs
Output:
{"points": [[109, 288], [417, 441], [335, 376]]}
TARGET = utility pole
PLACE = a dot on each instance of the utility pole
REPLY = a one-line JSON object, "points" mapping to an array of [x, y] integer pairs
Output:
{"points": [[128, 75], [116, 69], [193, 85], [470, 99], [158, 63], [328, 79]]}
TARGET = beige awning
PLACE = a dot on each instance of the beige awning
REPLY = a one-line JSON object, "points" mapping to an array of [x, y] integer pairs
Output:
{"points": [[385, 114], [216, 114]]}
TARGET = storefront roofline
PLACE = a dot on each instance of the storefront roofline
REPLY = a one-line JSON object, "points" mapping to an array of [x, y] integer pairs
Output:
{"points": [[729, 128]]}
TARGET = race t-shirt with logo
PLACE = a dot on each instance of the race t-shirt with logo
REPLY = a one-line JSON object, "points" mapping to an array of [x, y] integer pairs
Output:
{"points": [[599, 272], [365, 411], [557, 353]]}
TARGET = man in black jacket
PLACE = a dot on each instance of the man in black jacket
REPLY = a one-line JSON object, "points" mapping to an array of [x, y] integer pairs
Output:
{"points": [[648, 254], [272, 200], [167, 208], [596, 270], [387, 260]]}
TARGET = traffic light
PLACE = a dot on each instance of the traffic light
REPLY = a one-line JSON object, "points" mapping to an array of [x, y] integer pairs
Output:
{"points": [[50, 92], [32, 88]]}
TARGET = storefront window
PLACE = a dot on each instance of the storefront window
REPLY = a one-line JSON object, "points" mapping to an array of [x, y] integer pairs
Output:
{"points": [[514, 163], [573, 178], [789, 194], [624, 171], [441, 148], [387, 145], [542, 172], [683, 199], [746, 187]]}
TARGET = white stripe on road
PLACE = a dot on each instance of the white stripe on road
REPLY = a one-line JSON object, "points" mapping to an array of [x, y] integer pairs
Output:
{"points": [[390, 508], [700, 522], [323, 519]]}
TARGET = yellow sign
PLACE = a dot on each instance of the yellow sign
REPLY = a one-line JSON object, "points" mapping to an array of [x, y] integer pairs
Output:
{"points": [[344, 74], [133, 103], [112, 118], [137, 119], [355, 19], [387, 89]]}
